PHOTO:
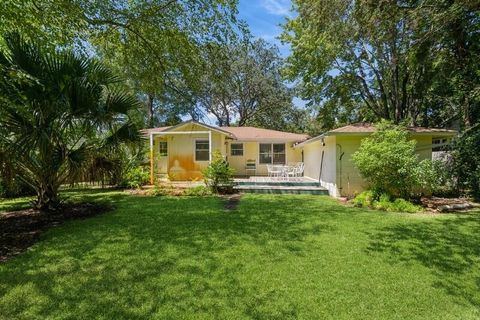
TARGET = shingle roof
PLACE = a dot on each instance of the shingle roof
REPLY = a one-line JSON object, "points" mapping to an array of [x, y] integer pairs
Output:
{"points": [[363, 127], [254, 134], [248, 133]]}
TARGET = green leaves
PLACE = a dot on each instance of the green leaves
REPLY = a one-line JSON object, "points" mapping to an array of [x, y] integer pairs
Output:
{"points": [[413, 61], [51, 126], [387, 160]]}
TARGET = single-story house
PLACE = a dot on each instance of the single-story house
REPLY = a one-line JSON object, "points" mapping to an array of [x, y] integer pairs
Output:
{"points": [[181, 152], [328, 157]]}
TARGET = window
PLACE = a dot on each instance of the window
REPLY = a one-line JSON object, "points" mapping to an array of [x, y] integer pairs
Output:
{"points": [[236, 149], [163, 148], [272, 153], [202, 152]]}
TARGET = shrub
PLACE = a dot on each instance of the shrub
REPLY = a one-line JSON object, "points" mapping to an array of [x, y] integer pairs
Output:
{"points": [[219, 175], [466, 161], [369, 199], [364, 199], [198, 191], [435, 177], [135, 177], [385, 160]]}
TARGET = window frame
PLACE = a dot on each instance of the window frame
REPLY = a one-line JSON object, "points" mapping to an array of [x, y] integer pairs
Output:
{"points": [[232, 149], [272, 153], [205, 141], [165, 153]]}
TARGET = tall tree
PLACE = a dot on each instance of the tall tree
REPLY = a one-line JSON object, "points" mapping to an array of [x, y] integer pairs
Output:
{"points": [[56, 108], [367, 60], [154, 44], [242, 85]]}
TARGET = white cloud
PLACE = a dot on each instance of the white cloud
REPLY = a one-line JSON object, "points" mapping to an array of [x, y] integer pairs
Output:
{"points": [[277, 7]]}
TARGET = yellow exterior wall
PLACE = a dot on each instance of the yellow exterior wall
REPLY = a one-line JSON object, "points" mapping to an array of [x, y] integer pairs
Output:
{"points": [[181, 164], [349, 180], [341, 177], [313, 157], [251, 152], [424, 146]]}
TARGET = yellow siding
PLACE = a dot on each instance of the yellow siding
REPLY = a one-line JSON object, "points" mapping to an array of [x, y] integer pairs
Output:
{"points": [[349, 181], [250, 152], [181, 152], [313, 158], [424, 146]]}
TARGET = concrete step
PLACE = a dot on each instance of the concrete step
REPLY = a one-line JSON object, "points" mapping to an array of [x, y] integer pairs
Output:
{"points": [[282, 189], [280, 183]]}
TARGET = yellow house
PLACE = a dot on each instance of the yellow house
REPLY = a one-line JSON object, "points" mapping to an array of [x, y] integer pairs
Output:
{"points": [[327, 157], [181, 152]]}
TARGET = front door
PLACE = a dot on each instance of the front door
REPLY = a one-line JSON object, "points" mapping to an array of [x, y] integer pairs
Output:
{"points": [[163, 157]]}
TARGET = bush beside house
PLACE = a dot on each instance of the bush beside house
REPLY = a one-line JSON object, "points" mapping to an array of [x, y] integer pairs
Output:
{"points": [[388, 162], [219, 175]]}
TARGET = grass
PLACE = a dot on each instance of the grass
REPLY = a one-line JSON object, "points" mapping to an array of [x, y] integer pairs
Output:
{"points": [[275, 257]]}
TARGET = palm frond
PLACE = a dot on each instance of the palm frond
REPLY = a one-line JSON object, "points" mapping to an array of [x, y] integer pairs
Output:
{"points": [[127, 133]]}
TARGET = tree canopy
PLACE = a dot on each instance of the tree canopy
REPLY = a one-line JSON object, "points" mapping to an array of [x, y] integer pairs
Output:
{"points": [[413, 61]]}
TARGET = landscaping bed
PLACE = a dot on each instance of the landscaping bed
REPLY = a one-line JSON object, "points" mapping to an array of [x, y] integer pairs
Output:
{"points": [[20, 229], [438, 204]]}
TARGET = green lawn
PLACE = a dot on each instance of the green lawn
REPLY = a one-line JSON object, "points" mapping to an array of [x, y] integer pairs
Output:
{"points": [[275, 257]]}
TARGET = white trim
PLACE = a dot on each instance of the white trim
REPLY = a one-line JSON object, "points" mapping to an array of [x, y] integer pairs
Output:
{"points": [[199, 124], [179, 132], [210, 146]]}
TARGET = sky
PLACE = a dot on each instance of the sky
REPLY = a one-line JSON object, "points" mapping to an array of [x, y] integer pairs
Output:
{"points": [[264, 18]]}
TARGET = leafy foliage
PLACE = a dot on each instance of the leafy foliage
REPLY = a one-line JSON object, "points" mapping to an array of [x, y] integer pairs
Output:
{"points": [[219, 175], [398, 60], [466, 161], [384, 202], [57, 109], [387, 160], [436, 177], [242, 85], [135, 177]]}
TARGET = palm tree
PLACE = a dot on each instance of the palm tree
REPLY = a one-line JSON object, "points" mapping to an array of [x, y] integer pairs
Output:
{"points": [[55, 109]]}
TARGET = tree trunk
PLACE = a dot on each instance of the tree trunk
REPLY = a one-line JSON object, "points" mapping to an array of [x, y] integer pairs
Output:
{"points": [[47, 197], [151, 120]]}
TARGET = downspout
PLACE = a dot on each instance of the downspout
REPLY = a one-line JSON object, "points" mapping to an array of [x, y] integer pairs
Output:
{"points": [[321, 169], [151, 158], [340, 187], [321, 162]]}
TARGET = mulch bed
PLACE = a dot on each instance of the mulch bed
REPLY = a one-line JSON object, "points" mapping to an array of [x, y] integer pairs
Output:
{"points": [[21, 229], [232, 201], [437, 204]]}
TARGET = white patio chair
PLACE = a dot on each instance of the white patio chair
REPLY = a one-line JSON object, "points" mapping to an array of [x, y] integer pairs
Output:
{"points": [[300, 169], [270, 170], [277, 171], [291, 171]]}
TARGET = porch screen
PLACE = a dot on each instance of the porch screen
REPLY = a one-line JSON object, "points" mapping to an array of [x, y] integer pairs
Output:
{"points": [[272, 153], [201, 150]]}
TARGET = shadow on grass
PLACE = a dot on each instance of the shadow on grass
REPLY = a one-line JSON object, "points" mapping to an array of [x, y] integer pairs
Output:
{"points": [[167, 257], [448, 246]]}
